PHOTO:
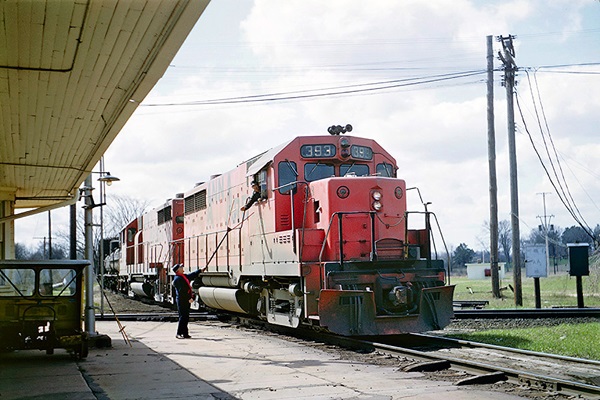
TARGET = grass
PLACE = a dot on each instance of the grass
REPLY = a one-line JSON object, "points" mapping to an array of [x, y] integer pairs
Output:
{"points": [[574, 340], [557, 290]]}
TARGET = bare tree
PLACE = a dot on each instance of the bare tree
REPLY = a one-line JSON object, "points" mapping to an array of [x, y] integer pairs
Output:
{"points": [[504, 238], [40, 252], [116, 213], [122, 210]]}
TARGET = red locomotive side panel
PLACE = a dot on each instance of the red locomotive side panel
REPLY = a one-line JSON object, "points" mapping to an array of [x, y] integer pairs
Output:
{"points": [[128, 243], [349, 204]]}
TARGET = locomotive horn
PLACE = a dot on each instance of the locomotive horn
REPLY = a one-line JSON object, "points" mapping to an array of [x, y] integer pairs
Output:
{"points": [[337, 129]]}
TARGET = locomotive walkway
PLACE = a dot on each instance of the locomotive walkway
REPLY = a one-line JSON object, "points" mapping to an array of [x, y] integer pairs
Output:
{"points": [[219, 362]]}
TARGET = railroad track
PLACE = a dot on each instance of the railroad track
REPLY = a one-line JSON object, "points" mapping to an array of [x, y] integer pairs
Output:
{"points": [[481, 363], [568, 375], [528, 313], [484, 364]]}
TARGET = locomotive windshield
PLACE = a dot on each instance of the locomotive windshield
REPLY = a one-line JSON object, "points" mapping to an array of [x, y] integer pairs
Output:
{"points": [[354, 169], [316, 171]]}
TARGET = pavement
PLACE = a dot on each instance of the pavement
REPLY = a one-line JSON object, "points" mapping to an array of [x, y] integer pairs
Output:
{"points": [[219, 362]]}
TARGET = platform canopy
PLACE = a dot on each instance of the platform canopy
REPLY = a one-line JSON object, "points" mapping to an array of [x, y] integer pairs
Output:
{"points": [[72, 72]]}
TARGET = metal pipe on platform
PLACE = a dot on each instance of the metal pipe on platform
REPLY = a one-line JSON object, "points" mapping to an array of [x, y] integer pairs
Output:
{"points": [[89, 314]]}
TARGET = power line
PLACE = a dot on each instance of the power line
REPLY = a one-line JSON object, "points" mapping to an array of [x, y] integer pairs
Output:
{"points": [[329, 91], [564, 193], [353, 89]]}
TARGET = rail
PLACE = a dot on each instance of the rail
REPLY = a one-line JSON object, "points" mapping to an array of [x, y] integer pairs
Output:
{"points": [[528, 313]]}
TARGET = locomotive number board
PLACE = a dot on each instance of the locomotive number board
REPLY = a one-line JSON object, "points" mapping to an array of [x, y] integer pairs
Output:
{"points": [[317, 151], [329, 151]]}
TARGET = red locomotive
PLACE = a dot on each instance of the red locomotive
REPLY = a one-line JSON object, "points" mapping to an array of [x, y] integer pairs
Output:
{"points": [[328, 243]]}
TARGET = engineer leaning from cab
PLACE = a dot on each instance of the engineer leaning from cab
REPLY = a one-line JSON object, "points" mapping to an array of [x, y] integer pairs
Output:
{"points": [[255, 196]]}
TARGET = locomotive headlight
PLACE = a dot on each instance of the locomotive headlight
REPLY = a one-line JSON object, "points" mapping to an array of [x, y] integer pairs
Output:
{"points": [[376, 196], [377, 205], [343, 192]]}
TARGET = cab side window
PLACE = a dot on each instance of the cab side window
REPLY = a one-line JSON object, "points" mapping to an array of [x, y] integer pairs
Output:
{"points": [[287, 172], [386, 169], [261, 178]]}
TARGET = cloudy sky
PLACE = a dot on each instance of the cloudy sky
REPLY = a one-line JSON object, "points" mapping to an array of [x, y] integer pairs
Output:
{"points": [[410, 74]]}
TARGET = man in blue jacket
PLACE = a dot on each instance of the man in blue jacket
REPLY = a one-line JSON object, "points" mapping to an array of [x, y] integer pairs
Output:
{"points": [[184, 298]]}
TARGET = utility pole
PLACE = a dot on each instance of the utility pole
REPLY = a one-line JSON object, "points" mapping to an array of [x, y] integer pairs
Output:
{"points": [[545, 224], [49, 235], [492, 171], [73, 232], [510, 71]]}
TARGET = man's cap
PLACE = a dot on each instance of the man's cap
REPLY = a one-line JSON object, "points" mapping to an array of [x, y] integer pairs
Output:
{"points": [[176, 267], [253, 183]]}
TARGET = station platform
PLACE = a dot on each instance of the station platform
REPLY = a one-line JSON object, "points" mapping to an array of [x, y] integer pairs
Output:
{"points": [[219, 362]]}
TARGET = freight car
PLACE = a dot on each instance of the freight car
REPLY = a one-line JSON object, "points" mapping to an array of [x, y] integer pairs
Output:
{"points": [[330, 243]]}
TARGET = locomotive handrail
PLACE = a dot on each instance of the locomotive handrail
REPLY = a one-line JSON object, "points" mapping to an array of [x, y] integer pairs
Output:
{"points": [[227, 230], [444, 243], [159, 247], [429, 230], [306, 197], [219, 245], [340, 215]]}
